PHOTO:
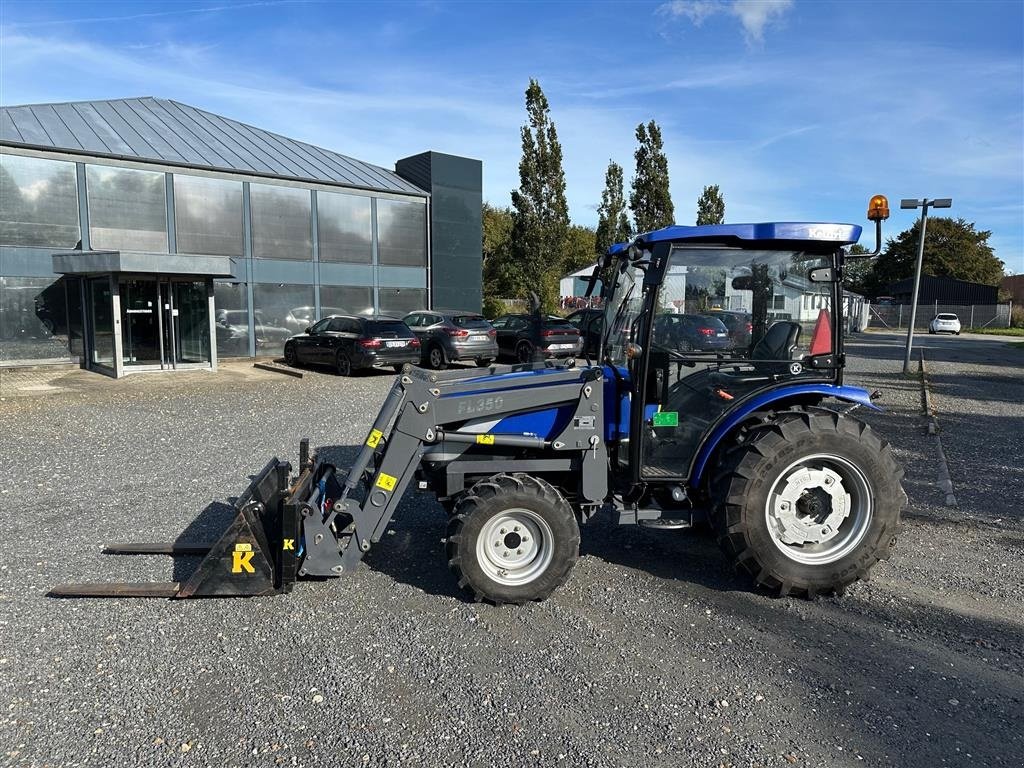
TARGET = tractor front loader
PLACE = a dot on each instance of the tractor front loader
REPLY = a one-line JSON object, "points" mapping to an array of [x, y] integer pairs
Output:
{"points": [[718, 397]]}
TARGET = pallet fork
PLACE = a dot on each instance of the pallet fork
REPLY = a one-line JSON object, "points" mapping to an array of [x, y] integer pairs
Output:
{"points": [[256, 555]]}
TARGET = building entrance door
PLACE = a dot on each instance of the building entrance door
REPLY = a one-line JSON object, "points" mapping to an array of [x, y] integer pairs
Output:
{"points": [[165, 323], [140, 323]]}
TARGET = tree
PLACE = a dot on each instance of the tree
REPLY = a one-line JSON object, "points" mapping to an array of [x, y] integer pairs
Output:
{"points": [[711, 206], [650, 199], [856, 272], [497, 250], [540, 219], [579, 249], [612, 222], [952, 248]]}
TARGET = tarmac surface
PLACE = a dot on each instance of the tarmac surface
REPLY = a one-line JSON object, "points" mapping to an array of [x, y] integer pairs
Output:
{"points": [[654, 654]]}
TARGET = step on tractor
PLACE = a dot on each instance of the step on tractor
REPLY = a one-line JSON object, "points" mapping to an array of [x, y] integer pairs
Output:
{"points": [[743, 426]]}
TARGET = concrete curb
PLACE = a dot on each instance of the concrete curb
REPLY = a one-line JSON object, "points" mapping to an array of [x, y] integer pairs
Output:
{"points": [[278, 369], [943, 480]]}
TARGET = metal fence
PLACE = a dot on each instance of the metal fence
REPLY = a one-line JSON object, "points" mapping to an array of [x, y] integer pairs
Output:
{"points": [[897, 316]]}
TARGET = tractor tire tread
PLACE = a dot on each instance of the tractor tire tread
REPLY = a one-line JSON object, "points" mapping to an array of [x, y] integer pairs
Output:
{"points": [[739, 468], [485, 491]]}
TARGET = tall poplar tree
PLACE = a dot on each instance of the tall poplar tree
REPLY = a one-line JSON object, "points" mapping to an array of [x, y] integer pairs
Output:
{"points": [[540, 217], [612, 221], [650, 199], [711, 206]]}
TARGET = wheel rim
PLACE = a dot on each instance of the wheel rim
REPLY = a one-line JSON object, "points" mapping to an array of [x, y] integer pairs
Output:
{"points": [[344, 364], [524, 353], [289, 355], [436, 358], [515, 547], [819, 509]]}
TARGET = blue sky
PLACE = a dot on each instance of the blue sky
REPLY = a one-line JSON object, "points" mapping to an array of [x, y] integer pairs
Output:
{"points": [[798, 110]]}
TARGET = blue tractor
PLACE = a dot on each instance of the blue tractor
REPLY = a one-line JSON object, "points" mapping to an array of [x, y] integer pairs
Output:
{"points": [[752, 436]]}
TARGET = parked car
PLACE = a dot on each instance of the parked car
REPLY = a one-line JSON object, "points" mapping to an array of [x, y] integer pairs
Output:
{"points": [[739, 324], [517, 335], [233, 329], [299, 318], [349, 343], [447, 336], [590, 323], [945, 322], [691, 333]]}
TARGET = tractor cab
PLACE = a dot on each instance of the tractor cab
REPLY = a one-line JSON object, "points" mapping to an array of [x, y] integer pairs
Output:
{"points": [[705, 323]]}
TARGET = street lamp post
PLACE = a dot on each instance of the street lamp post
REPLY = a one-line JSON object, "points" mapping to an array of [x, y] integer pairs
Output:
{"points": [[924, 204]]}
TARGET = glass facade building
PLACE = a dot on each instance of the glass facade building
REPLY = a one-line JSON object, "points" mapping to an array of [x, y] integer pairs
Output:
{"points": [[137, 263]]}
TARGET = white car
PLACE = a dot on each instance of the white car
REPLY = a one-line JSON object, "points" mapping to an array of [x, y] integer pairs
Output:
{"points": [[945, 323]]}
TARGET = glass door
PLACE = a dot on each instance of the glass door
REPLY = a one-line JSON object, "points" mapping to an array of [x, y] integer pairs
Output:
{"points": [[99, 298], [140, 323], [191, 322], [185, 326]]}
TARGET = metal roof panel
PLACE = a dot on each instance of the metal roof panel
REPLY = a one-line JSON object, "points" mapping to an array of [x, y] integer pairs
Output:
{"points": [[55, 127], [29, 126], [88, 114], [162, 130]]}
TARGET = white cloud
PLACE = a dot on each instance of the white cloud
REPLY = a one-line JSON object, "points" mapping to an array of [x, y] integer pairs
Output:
{"points": [[753, 15]]}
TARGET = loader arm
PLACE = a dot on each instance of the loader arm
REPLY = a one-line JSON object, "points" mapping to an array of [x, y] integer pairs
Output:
{"points": [[425, 409]]}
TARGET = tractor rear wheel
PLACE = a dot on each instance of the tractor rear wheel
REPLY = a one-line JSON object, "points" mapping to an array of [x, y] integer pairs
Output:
{"points": [[808, 503], [512, 539]]}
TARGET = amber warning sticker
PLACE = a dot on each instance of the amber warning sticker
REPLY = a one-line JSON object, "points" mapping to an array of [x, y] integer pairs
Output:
{"points": [[386, 481], [485, 439], [374, 439]]}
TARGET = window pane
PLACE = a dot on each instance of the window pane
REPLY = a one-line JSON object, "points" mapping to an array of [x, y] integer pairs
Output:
{"points": [[33, 319], [402, 233], [38, 202], [344, 228], [281, 310], [280, 222], [208, 215], [398, 301], [127, 209], [231, 318], [345, 300]]}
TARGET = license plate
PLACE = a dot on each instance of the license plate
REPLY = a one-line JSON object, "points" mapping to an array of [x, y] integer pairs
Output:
{"points": [[562, 346], [478, 339], [393, 344], [722, 335]]}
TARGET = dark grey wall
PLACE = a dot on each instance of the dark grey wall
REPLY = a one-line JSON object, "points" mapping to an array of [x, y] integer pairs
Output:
{"points": [[456, 231]]}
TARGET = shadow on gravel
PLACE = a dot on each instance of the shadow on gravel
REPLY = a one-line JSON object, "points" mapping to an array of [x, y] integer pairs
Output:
{"points": [[994, 387], [983, 453], [889, 347]]}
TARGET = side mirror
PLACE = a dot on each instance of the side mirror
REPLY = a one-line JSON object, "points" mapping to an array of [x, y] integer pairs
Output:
{"points": [[309, 329], [742, 283]]}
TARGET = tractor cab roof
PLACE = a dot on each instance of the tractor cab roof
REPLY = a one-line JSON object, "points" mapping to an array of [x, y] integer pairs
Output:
{"points": [[769, 235]]}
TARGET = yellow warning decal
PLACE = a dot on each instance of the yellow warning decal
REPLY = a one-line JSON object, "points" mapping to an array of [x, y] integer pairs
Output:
{"points": [[288, 544], [386, 481], [485, 439], [241, 558], [374, 439]]}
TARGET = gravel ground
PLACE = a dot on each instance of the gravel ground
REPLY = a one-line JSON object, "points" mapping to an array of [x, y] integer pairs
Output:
{"points": [[654, 654]]}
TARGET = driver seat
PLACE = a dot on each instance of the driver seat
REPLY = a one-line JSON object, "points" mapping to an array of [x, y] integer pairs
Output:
{"points": [[779, 343]]}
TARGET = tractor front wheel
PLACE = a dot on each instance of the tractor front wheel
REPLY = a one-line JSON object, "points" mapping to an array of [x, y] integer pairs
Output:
{"points": [[807, 504], [512, 539]]}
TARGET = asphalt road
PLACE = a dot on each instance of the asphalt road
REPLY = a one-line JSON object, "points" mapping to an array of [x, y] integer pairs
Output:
{"points": [[654, 654]]}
